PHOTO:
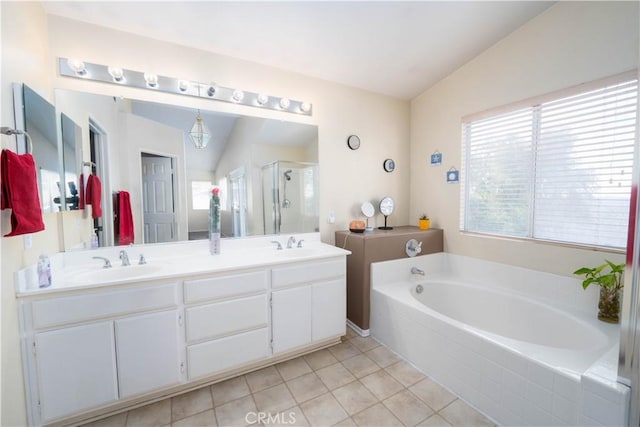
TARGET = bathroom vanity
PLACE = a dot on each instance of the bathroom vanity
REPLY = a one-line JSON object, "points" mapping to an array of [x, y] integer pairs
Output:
{"points": [[120, 337]]}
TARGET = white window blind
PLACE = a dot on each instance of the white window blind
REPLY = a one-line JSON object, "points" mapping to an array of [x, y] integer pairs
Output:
{"points": [[559, 170]]}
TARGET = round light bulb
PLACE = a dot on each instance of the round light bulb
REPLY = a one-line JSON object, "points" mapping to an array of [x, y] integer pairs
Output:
{"points": [[151, 79], [238, 95], [183, 85], [305, 107], [284, 103], [77, 66], [117, 73], [263, 98]]}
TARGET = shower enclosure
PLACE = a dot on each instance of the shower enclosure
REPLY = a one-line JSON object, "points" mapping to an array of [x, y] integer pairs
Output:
{"points": [[289, 197]]}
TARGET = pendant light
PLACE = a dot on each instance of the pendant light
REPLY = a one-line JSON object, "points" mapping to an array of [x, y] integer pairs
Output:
{"points": [[199, 132]]}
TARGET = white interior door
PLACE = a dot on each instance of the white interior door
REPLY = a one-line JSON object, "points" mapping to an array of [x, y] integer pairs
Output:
{"points": [[158, 199]]}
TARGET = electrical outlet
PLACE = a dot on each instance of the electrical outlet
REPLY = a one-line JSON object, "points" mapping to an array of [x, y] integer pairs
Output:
{"points": [[331, 219], [28, 241]]}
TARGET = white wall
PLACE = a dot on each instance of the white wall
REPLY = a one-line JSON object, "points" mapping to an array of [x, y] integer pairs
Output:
{"points": [[570, 43]]}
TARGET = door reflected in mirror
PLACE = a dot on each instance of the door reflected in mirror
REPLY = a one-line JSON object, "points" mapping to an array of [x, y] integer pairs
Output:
{"points": [[234, 160]]}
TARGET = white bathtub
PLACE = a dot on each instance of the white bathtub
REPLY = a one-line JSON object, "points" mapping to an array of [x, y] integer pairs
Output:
{"points": [[524, 347]]}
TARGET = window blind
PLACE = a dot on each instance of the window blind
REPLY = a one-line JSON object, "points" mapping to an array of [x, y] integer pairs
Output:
{"points": [[558, 170]]}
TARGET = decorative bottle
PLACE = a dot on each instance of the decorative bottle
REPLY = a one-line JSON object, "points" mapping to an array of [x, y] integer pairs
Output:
{"points": [[214, 222], [44, 271]]}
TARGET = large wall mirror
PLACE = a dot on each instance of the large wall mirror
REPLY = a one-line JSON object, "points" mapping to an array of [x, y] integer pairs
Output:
{"points": [[267, 169]]}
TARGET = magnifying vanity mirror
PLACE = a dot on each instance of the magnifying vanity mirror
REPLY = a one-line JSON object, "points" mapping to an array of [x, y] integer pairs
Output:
{"points": [[387, 206], [267, 169]]}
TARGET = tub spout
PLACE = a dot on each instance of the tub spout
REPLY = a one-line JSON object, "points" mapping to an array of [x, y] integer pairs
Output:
{"points": [[415, 270]]}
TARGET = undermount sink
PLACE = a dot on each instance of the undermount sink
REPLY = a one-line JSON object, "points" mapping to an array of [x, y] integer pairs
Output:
{"points": [[298, 252], [114, 273]]}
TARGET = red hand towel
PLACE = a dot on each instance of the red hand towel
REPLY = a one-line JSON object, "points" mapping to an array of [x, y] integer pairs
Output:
{"points": [[20, 193], [126, 219], [93, 195]]}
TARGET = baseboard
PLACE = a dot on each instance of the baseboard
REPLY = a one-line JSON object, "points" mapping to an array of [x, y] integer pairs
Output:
{"points": [[356, 328]]}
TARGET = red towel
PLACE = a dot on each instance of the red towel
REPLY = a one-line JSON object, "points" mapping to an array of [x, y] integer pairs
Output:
{"points": [[126, 219], [20, 193], [93, 195]]}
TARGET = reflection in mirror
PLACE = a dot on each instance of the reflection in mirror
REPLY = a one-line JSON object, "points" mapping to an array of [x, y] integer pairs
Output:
{"points": [[71, 148], [239, 149], [40, 123]]}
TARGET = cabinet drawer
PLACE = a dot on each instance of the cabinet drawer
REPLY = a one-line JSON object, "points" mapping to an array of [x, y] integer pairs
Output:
{"points": [[224, 318], [225, 353], [80, 308], [307, 272], [225, 286]]}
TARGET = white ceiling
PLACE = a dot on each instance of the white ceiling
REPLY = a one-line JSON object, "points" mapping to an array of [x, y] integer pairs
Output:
{"points": [[390, 47]]}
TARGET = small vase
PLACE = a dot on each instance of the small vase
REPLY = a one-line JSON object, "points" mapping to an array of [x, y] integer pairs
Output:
{"points": [[424, 224], [214, 225], [609, 305]]}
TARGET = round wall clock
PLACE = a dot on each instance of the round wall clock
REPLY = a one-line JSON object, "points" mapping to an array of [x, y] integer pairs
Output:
{"points": [[387, 205], [353, 142], [389, 165]]}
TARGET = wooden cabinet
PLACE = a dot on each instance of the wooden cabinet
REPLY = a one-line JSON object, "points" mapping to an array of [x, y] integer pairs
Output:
{"points": [[148, 351], [76, 369]]}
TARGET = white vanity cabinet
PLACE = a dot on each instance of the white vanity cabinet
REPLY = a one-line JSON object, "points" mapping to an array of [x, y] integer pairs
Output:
{"points": [[308, 303], [90, 350]]}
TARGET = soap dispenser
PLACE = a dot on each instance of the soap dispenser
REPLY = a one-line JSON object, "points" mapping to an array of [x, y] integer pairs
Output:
{"points": [[44, 271]]}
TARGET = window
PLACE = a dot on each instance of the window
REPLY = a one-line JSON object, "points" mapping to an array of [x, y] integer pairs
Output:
{"points": [[200, 194], [558, 169]]}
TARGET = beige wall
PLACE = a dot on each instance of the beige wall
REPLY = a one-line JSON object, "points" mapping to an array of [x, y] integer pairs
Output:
{"points": [[570, 43]]}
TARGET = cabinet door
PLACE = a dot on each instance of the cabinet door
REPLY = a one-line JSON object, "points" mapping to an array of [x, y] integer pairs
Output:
{"points": [[291, 316], [329, 309], [148, 349], [76, 369]]}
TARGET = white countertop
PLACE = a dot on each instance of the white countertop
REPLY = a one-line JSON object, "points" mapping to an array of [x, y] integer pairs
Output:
{"points": [[77, 270]]}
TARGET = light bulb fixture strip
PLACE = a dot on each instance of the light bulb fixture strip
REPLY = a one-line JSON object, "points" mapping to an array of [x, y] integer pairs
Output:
{"points": [[136, 79]]}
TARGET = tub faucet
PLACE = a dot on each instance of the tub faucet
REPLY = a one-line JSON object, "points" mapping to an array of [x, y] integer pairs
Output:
{"points": [[125, 258], [291, 242], [415, 270]]}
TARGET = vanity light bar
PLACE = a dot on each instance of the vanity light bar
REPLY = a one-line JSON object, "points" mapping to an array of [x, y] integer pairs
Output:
{"points": [[150, 81]]}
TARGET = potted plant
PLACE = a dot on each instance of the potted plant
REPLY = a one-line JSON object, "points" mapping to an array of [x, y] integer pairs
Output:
{"points": [[609, 277], [424, 222]]}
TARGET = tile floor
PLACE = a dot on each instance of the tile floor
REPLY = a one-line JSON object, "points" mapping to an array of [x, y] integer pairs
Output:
{"points": [[355, 383]]}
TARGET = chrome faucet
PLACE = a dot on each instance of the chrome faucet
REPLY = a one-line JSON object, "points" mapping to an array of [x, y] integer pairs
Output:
{"points": [[125, 258], [300, 243], [415, 270], [278, 245], [142, 260], [107, 263], [291, 242]]}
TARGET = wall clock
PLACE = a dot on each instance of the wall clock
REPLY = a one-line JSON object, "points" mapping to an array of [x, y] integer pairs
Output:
{"points": [[353, 142], [389, 165], [387, 205]]}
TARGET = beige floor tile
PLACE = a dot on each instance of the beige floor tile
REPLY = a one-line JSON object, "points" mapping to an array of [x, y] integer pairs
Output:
{"points": [[364, 343], [117, 420], [376, 416], [383, 356], [203, 419], [432, 393], [459, 413], [360, 365], [306, 387], [323, 410], [381, 384], [293, 368], [229, 390], [434, 420], [354, 397], [263, 378], [351, 333], [156, 414], [408, 408], [292, 417], [335, 376], [344, 350], [406, 374], [191, 403], [274, 399], [235, 412], [347, 422], [320, 359]]}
